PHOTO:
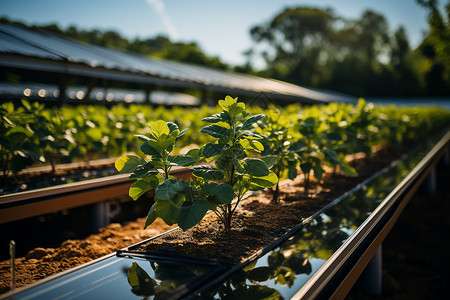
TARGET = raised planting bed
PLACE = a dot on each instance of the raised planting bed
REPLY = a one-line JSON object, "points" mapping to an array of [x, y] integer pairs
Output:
{"points": [[41, 177], [39, 201], [308, 260]]}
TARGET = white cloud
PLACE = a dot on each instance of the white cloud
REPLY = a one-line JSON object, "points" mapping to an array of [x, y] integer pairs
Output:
{"points": [[160, 8]]}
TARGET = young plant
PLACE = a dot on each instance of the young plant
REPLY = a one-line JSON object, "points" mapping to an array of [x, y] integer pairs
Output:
{"points": [[308, 150], [55, 137], [276, 144], [236, 172], [332, 140], [361, 131], [184, 202], [174, 198], [19, 146]]}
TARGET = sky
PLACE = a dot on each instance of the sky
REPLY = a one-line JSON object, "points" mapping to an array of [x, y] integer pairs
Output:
{"points": [[220, 28]]}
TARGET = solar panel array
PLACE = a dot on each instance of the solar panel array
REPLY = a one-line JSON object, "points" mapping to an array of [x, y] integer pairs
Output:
{"points": [[74, 57]]}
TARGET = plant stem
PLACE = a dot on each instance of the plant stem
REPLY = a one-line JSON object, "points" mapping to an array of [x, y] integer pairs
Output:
{"points": [[306, 183], [228, 212], [275, 193]]}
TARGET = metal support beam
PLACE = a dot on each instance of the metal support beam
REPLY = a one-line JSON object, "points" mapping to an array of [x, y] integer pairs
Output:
{"points": [[204, 96], [431, 182], [92, 84], [371, 278], [102, 213], [148, 90], [62, 89]]}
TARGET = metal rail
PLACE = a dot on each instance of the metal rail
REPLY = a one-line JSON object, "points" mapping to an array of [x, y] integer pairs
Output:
{"points": [[42, 201], [338, 275]]}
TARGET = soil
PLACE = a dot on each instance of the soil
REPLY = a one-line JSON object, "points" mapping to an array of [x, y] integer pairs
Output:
{"points": [[256, 223]]}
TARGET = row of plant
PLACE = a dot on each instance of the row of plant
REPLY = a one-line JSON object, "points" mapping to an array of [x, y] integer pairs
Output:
{"points": [[251, 152], [31, 134]]}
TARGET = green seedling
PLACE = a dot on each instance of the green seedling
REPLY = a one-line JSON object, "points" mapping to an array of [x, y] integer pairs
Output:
{"points": [[235, 171], [219, 187], [276, 144], [307, 151]]}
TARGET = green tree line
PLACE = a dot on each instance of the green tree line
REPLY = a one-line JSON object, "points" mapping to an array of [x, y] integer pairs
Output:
{"points": [[317, 48]]}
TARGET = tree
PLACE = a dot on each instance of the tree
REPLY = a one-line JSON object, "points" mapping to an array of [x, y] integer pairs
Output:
{"points": [[316, 48], [298, 40], [436, 49]]}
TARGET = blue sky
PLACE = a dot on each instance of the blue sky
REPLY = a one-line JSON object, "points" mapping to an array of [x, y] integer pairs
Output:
{"points": [[220, 27]]}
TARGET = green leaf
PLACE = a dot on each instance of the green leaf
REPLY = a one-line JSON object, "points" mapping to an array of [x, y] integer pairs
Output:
{"points": [[128, 163], [95, 134], [297, 146], [264, 181], [191, 213], [236, 109], [349, 170], [157, 163], [143, 185], [223, 162], [223, 191], [194, 153], [332, 155], [211, 149], [214, 119], [292, 169], [256, 167], [250, 121], [159, 128], [257, 146], [318, 172], [207, 172], [182, 133], [182, 160], [270, 160], [251, 135], [237, 164], [172, 126], [151, 216], [170, 187], [216, 131], [334, 136], [306, 167], [225, 116], [259, 274], [227, 103], [141, 284], [309, 122], [142, 171], [149, 150], [142, 137], [166, 142], [168, 210], [155, 145]]}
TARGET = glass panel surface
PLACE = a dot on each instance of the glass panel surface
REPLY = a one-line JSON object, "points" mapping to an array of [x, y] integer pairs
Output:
{"points": [[122, 278]]}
